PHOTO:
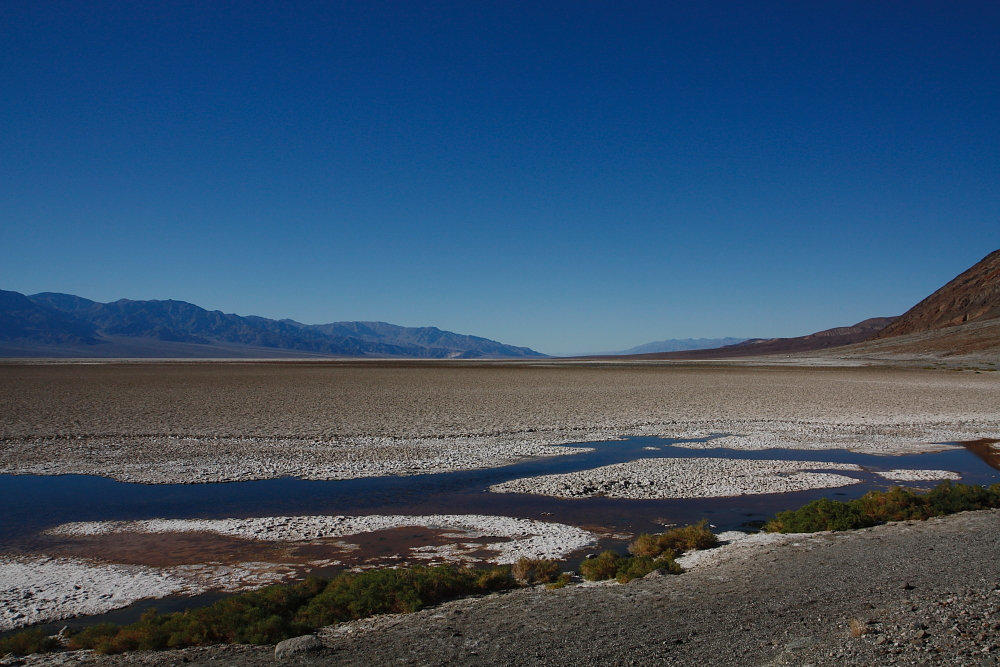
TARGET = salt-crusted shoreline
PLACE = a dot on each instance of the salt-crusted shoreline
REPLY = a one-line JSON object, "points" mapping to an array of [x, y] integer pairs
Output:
{"points": [[195, 460], [527, 537], [685, 478], [38, 589], [918, 475]]}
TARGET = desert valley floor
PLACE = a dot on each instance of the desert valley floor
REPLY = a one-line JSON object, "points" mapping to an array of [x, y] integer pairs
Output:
{"points": [[725, 432]]}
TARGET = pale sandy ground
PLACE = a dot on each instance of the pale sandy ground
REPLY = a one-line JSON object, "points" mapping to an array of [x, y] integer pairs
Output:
{"points": [[158, 422], [37, 589]]}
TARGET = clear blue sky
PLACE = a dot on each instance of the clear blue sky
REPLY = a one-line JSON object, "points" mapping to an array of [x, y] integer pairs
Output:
{"points": [[568, 176]]}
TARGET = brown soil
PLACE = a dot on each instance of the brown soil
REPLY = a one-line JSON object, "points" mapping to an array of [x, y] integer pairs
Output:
{"points": [[378, 548]]}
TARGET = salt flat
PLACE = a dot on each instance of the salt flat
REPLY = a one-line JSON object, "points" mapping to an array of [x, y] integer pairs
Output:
{"points": [[191, 422]]}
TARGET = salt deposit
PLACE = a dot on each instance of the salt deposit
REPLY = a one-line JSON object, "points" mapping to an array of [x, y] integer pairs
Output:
{"points": [[685, 478], [39, 589], [527, 537], [735, 545], [918, 475]]}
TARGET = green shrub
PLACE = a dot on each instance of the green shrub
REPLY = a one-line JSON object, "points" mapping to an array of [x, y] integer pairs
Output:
{"points": [[28, 641], [495, 579], [637, 567], [349, 597], [675, 541], [279, 612], [605, 566], [563, 579], [948, 498], [896, 504], [527, 571], [822, 514]]}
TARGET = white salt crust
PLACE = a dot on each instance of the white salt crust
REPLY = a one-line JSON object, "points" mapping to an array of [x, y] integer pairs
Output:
{"points": [[685, 478], [40, 589], [527, 537], [918, 475]]}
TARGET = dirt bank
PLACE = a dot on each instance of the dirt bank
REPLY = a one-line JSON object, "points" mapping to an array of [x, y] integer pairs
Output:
{"points": [[914, 593]]}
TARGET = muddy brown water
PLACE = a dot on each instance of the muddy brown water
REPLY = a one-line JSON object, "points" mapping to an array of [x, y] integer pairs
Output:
{"points": [[34, 503]]}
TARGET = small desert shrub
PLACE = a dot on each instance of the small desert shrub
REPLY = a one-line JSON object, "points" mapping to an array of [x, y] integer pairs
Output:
{"points": [[858, 627], [561, 581], [822, 514], [28, 641], [896, 504], [611, 565], [272, 614], [605, 566], [675, 541], [527, 571], [350, 597], [637, 567], [495, 579]]}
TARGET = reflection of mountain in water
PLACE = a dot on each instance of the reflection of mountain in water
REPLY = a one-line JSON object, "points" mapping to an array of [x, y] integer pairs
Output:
{"points": [[986, 450]]}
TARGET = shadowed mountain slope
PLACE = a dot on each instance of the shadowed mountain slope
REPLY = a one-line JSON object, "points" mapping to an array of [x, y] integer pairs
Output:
{"points": [[971, 296], [23, 319], [163, 328]]}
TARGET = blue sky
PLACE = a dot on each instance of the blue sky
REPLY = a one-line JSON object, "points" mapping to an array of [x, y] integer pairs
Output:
{"points": [[572, 176]]}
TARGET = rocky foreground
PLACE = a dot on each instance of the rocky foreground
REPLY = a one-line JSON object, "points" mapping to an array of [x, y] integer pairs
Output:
{"points": [[906, 593]]}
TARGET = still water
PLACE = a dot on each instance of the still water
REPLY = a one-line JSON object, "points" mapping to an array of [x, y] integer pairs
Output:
{"points": [[32, 503]]}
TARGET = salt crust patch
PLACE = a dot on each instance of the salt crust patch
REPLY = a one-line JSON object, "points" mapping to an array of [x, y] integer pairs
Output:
{"points": [[534, 539], [179, 460], [737, 545], [918, 475], [36, 590], [40, 589], [685, 478]]}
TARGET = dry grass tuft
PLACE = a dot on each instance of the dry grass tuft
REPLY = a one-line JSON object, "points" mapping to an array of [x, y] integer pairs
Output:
{"points": [[858, 627]]}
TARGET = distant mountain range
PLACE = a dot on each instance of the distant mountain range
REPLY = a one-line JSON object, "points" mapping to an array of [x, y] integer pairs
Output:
{"points": [[53, 324], [753, 347], [681, 344], [962, 317]]}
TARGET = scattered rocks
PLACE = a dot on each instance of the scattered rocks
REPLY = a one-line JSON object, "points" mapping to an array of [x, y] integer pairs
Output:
{"points": [[303, 644]]}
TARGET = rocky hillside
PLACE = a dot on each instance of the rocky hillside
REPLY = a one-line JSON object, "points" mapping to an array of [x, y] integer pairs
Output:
{"points": [[821, 340], [972, 296]]}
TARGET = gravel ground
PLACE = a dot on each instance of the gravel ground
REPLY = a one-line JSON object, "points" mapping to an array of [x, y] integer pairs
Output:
{"points": [[156, 422], [911, 593]]}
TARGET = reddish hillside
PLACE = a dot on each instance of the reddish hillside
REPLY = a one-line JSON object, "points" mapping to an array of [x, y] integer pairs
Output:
{"points": [[821, 340], [973, 295]]}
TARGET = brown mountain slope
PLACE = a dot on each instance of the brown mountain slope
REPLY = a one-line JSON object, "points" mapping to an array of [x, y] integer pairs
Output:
{"points": [[821, 340], [973, 295]]}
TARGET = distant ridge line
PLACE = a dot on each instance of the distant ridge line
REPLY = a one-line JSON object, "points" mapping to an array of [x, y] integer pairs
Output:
{"points": [[55, 324]]}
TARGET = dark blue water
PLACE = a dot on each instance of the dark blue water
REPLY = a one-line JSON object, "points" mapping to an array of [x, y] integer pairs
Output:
{"points": [[31, 503]]}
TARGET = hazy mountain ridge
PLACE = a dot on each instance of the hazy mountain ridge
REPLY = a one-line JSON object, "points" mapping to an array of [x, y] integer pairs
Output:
{"points": [[682, 344], [23, 319], [51, 317]]}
